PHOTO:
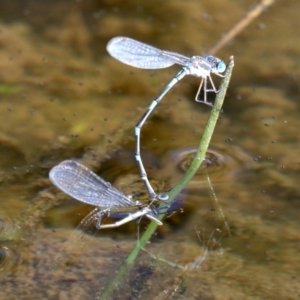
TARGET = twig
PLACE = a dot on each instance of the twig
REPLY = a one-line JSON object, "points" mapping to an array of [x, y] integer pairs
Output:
{"points": [[241, 25]]}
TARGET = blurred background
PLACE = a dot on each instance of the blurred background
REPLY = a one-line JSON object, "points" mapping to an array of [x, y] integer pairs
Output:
{"points": [[63, 97]]}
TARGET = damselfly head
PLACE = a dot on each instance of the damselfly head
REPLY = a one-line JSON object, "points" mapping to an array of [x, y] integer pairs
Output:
{"points": [[217, 65]]}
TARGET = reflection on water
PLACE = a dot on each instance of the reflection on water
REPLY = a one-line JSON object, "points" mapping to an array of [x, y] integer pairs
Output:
{"points": [[62, 97]]}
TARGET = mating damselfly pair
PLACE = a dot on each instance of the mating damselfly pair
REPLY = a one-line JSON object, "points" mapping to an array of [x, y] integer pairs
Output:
{"points": [[84, 185]]}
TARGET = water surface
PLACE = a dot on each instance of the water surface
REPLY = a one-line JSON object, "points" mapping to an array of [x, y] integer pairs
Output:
{"points": [[63, 97]]}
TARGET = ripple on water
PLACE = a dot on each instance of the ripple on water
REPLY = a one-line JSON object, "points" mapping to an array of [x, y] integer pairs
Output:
{"points": [[219, 165], [9, 257]]}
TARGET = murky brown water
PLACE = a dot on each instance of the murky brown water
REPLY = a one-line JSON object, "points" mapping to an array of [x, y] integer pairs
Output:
{"points": [[63, 97]]}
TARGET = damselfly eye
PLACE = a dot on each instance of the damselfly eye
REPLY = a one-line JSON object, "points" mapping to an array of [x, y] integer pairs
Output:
{"points": [[221, 66], [210, 58], [163, 197]]}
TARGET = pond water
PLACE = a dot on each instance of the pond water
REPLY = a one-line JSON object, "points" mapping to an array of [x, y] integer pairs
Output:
{"points": [[63, 97]]}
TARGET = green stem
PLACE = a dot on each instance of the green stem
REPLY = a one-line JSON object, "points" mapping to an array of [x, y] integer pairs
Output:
{"points": [[124, 271]]}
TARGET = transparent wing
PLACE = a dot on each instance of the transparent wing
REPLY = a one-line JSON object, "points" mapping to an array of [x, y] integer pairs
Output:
{"points": [[79, 237], [140, 55], [82, 184], [84, 232]]}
